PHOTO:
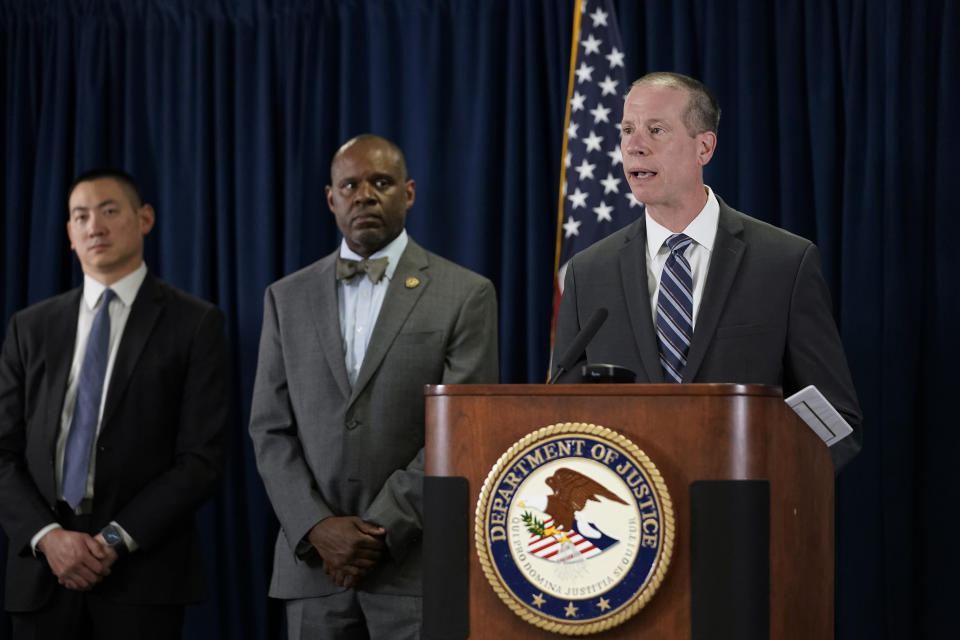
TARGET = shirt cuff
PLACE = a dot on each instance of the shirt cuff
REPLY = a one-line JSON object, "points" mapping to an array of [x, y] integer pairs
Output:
{"points": [[36, 538]]}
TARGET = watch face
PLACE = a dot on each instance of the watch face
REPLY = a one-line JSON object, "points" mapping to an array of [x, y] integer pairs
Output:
{"points": [[111, 536]]}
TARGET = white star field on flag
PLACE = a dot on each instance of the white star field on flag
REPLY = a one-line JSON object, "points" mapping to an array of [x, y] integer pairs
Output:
{"points": [[597, 200]]}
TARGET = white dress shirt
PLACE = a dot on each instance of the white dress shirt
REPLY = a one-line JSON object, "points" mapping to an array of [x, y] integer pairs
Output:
{"points": [[126, 291], [703, 231]]}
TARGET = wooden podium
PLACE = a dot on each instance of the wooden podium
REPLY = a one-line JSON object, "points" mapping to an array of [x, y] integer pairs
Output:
{"points": [[742, 566]]}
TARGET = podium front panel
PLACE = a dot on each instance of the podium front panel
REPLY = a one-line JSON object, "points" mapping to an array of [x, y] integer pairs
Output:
{"points": [[692, 433]]}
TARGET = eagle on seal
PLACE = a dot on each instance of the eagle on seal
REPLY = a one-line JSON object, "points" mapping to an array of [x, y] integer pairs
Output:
{"points": [[571, 490]]}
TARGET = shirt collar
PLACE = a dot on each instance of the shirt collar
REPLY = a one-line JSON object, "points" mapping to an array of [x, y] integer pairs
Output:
{"points": [[392, 251], [125, 288], [702, 229]]}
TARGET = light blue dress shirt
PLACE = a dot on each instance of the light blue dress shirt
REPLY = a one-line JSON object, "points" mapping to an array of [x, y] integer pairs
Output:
{"points": [[359, 302]]}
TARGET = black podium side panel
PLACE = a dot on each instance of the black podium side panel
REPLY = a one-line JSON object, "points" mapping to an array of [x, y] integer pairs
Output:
{"points": [[730, 560], [446, 558]]}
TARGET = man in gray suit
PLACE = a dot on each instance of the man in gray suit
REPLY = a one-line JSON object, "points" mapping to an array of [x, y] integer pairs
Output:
{"points": [[743, 302], [337, 419]]}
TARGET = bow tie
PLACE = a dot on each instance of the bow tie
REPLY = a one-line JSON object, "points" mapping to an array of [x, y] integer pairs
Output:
{"points": [[374, 269]]}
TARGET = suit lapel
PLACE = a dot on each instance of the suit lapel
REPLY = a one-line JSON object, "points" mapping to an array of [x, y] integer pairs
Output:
{"points": [[397, 305], [60, 334], [727, 254], [633, 275], [147, 308], [325, 310]]}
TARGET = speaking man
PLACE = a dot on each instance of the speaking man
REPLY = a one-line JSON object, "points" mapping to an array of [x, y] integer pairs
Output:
{"points": [[697, 291]]}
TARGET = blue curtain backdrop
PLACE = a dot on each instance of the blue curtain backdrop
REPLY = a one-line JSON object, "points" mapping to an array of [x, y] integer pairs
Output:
{"points": [[839, 124]]}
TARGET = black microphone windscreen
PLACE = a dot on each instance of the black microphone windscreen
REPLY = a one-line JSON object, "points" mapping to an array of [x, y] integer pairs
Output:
{"points": [[579, 343]]}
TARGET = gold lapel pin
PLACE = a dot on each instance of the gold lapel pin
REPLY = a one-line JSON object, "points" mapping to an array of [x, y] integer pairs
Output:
{"points": [[411, 282]]}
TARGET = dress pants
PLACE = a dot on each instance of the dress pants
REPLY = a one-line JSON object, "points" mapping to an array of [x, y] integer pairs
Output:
{"points": [[355, 615]]}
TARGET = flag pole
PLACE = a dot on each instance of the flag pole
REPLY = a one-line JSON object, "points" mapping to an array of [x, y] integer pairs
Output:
{"points": [[577, 12]]}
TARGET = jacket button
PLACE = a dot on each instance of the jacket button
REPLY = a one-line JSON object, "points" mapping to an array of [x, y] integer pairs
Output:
{"points": [[353, 424]]}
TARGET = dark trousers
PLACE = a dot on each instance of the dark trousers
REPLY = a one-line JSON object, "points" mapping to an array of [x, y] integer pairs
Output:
{"points": [[76, 615]]}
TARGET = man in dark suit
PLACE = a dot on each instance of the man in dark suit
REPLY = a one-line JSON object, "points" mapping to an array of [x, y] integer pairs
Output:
{"points": [[337, 420], [112, 413], [743, 301]]}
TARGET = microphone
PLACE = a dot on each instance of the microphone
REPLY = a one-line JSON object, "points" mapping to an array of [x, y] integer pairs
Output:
{"points": [[579, 344]]}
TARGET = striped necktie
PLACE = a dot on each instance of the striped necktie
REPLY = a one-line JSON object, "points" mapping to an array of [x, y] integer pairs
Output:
{"points": [[86, 413], [675, 309]]}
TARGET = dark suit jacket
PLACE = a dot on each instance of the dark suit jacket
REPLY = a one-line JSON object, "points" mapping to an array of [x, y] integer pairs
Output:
{"points": [[159, 451], [326, 449], [765, 316]]}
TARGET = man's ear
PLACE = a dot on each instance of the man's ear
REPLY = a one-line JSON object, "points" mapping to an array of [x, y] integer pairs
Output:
{"points": [[329, 191], [411, 191], [706, 144], [147, 217]]}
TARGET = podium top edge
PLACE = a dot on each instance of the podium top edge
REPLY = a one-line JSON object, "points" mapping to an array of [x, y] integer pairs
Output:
{"points": [[590, 389]]}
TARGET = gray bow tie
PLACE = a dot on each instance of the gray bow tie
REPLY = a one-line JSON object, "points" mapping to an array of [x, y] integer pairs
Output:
{"points": [[374, 269]]}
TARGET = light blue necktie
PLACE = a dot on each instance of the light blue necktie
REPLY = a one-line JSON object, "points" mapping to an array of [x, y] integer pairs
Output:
{"points": [[86, 413], [675, 309]]}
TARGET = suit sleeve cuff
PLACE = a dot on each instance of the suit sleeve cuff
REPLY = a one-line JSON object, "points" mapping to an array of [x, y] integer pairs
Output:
{"points": [[403, 528], [127, 539], [304, 548]]}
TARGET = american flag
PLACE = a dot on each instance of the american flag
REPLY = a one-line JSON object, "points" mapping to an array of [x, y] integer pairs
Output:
{"points": [[576, 548], [594, 198]]}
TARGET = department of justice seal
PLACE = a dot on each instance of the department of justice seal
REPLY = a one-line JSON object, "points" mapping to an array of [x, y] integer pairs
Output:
{"points": [[574, 528]]}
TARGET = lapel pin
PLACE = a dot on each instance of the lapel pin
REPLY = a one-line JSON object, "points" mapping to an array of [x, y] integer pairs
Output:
{"points": [[411, 282]]}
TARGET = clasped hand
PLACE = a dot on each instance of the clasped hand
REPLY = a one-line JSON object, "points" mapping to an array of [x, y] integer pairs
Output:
{"points": [[349, 546], [79, 560]]}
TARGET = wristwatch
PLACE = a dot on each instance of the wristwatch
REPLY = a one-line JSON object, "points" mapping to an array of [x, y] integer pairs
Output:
{"points": [[114, 539]]}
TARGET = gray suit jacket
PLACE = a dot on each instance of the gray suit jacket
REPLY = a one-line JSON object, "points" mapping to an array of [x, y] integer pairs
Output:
{"points": [[324, 449], [765, 316]]}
